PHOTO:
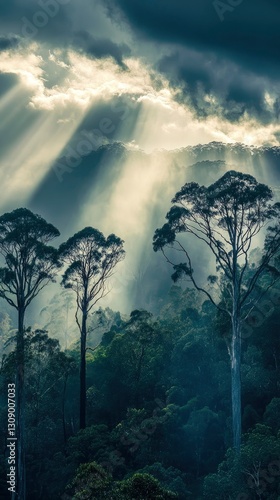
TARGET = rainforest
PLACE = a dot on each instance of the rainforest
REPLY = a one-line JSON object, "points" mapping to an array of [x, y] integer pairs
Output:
{"points": [[139, 250]]}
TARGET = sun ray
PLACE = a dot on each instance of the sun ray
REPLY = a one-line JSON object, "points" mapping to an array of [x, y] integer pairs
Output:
{"points": [[129, 206], [9, 98], [28, 161]]}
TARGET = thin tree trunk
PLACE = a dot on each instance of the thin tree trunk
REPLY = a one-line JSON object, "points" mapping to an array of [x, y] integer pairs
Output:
{"points": [[20, 461], [236, 352], [138, 375], [83, 372], [236, 382], [63, 409]]}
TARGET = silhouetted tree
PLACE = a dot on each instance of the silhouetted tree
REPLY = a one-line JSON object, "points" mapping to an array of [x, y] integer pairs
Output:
{"points": [[226, 217], [30, 264], [91, 260]]}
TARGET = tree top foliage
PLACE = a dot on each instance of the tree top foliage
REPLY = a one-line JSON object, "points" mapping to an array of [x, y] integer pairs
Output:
{"points": [[91, 259], [226, 216], [236, 199], [20, 224], [90, 243], [30, 263]]}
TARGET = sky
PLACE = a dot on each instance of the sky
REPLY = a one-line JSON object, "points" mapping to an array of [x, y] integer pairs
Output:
{"points": [[80, 75]]}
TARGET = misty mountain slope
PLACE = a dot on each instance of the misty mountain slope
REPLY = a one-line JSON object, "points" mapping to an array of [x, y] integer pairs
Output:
{"points": [[67, 191], [125, 191]]}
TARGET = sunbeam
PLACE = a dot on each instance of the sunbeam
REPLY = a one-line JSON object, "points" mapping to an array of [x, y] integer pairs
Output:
{"points": [[127, 201], [28, 161], [9, 98]]}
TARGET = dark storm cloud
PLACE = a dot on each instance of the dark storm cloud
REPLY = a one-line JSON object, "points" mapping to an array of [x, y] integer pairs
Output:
{"points": [[101, 47], [250, 31], [230, 92], [235, 60], [9, 42]]}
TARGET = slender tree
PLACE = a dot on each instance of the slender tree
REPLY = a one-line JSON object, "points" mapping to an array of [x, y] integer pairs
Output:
{"points": [[226, 217], [91, 259], [30, 264]]}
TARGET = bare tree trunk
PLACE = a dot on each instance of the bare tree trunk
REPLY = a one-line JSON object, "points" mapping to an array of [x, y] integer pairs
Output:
{"points": [[138, 375], [63, 409], [236, 381], [83, 372], [236, 353], [20, 472]]}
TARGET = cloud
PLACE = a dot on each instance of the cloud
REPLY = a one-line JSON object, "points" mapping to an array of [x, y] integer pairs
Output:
{"points": [[101, 48], [221, 68], [228, 69], [212, 86], [65, 24], [9, 42], [36, 21], [77, 79], [249, 32]]}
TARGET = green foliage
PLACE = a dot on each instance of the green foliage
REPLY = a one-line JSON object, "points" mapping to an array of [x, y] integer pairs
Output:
{"points": [[143, 486], [90, 481], [256, 470], [272, 414], [88, 443], [91, 259], [128, 369], [30, 262], [171, 478]]}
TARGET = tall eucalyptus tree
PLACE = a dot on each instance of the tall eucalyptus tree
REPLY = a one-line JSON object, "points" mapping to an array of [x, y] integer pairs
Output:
{"points": [[91, 260], [29, 265], [226, 217]]}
